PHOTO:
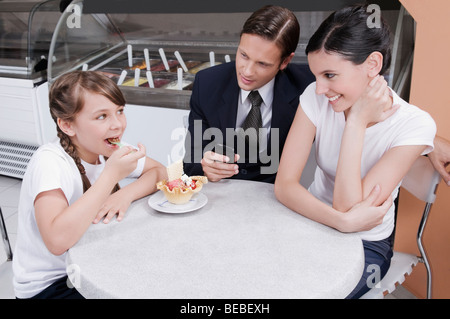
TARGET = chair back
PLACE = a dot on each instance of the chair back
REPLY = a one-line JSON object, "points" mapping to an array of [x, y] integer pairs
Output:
{"points": [[422, 180]]}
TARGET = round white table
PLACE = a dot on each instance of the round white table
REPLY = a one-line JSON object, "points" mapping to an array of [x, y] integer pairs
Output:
{"points": [[242, 244]]}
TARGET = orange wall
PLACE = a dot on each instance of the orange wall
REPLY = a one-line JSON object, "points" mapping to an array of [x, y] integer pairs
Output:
{"points": [[430, 90]]}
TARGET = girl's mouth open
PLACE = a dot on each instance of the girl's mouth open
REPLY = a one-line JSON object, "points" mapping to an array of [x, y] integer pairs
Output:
{"points": [[113, 141]]}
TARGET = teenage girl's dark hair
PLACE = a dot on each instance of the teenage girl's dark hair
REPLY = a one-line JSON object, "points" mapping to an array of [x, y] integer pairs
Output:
{"points": [[347, 33], [277, 24], [67, 98]]}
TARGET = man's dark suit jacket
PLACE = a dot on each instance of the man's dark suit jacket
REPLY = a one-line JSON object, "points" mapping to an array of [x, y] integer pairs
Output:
{"points": [[214, 102]]}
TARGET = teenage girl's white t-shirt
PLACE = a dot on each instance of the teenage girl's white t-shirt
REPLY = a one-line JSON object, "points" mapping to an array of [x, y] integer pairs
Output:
{"points": [[408, 126], [35, 267]]}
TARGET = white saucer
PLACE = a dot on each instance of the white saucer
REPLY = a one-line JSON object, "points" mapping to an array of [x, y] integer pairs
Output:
{"points": [[159, 202]]}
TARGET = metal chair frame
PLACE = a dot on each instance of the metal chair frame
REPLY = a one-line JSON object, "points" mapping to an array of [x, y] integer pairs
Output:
{"points": [[5, 237], [422, 182]]}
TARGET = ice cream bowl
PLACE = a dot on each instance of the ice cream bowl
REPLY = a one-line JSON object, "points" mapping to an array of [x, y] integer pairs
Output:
{"points": [[179, 193]]}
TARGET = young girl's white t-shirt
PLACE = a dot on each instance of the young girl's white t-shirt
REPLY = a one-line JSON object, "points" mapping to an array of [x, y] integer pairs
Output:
{"points": [[34, 266], [408, 126]]}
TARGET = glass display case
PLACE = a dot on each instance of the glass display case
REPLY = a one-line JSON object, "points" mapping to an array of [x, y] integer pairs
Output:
{"points": [[26, 29]]}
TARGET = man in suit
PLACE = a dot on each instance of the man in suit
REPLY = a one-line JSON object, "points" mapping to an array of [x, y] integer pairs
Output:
{"points": [[220, 101]]}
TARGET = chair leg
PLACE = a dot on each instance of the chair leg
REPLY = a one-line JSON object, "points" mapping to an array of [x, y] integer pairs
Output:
{"points": [[5, 237], [424, 258]]}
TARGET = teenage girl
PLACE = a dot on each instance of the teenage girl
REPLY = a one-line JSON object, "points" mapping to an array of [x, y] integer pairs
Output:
{"points": [[366, 137], [73, 182]]}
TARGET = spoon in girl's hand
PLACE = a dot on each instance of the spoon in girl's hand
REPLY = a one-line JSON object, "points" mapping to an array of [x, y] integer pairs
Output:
{"points": [[116, 143]]}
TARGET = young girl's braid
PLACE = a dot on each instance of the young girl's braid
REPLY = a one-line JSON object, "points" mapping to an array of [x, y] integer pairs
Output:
{"points": [[70, 149]]}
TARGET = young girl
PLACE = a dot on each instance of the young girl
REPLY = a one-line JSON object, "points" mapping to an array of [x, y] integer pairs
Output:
{"points": [[366, 137], [69, 184]]}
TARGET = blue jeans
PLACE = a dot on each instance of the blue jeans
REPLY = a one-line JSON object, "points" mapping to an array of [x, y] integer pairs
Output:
{"points": [[376, 253], [58, 290]]}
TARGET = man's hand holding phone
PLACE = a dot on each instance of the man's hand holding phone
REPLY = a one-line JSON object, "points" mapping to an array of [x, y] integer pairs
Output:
{"points": [[220, 163]]}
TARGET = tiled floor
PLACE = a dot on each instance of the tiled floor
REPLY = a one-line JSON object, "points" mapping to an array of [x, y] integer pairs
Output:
{"points": [[9, 199]]}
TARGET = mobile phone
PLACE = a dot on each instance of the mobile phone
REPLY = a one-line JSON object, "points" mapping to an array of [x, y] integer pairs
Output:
{"points": [[225, 150]]}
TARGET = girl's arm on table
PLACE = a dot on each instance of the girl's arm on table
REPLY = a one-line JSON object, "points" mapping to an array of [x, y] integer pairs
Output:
{"points": [[119, 202], [61, 225], [292, 194]]}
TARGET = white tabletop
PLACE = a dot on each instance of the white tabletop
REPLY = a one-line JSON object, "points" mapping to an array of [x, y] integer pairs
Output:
{"points": [[242, 244]]}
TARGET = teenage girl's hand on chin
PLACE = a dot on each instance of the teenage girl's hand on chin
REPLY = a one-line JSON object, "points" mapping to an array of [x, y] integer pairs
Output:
{"points": [[124, 161], [374, 105]]}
